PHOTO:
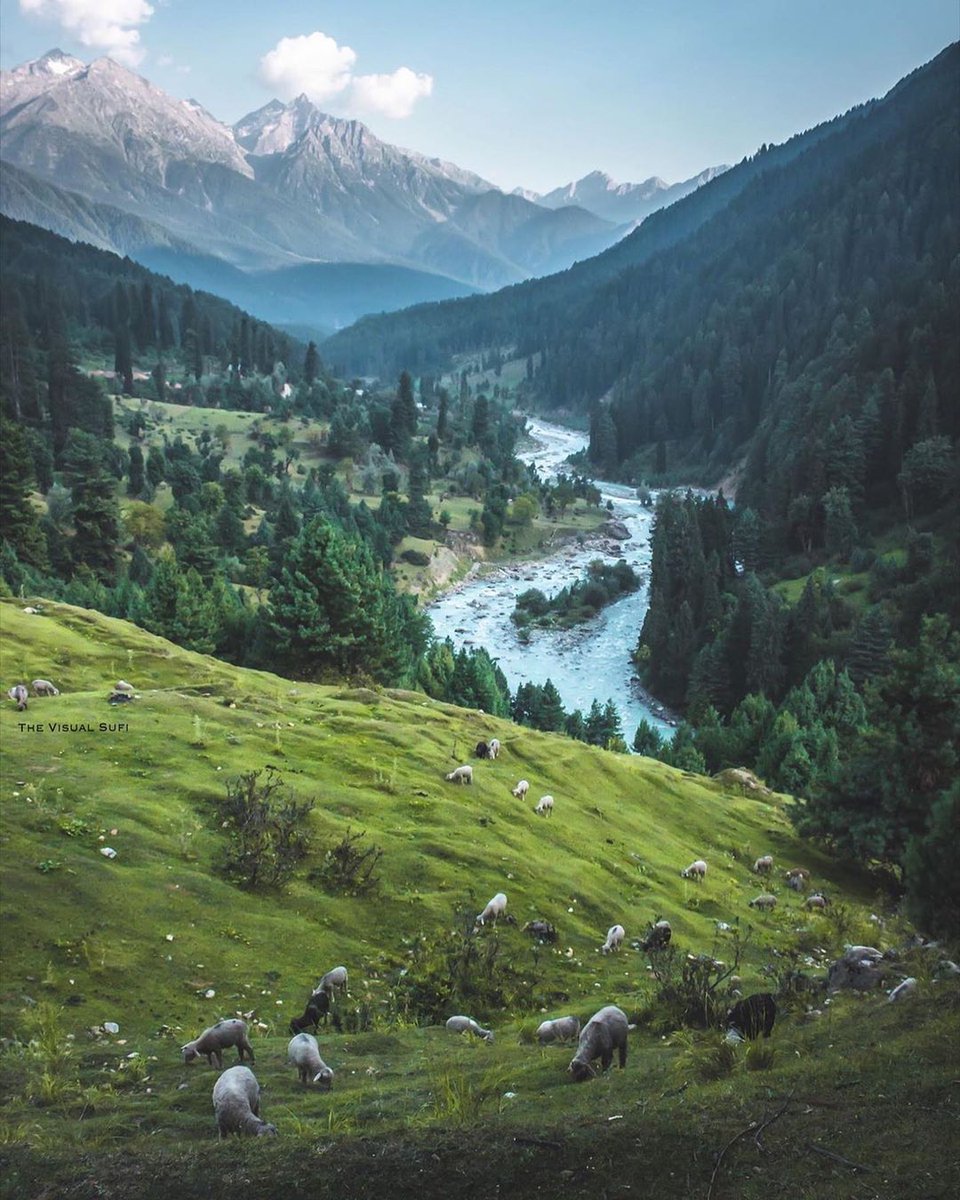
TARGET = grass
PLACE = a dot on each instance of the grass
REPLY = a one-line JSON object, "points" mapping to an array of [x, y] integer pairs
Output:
{"points": [[142, 939]]}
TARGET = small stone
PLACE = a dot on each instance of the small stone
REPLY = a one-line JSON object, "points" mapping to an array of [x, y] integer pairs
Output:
{"points": [[108, 852], [111, 1027], [209, 993]]}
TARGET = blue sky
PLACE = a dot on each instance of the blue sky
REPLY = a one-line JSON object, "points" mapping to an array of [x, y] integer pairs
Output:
{"points": [[528, 92]]}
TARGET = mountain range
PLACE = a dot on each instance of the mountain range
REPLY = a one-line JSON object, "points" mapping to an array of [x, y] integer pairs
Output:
{"points": [[96, 152]]}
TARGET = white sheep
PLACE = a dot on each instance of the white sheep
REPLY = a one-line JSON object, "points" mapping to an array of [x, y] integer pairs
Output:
{"points": [[304, 1052], [544, 806], [561, 1029], [236, 1102], [495, 908], [521, 789], [605, 1032], [43, 687], [615, 936], [462, 774], [902, 990], [797, 883], [123, 686], [766, 902], [19, 695], [763, 865], [493, 748], [335, 979], [817, 901], [697, 870], [461, 1024], [214, 1040]]}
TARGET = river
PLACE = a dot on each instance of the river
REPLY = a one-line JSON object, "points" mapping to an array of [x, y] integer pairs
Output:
{"points": [[591, 661]]}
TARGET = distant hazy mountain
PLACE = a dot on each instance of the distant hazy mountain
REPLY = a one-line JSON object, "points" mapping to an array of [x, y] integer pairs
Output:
{"points": [[622, 203], [105, 156]]}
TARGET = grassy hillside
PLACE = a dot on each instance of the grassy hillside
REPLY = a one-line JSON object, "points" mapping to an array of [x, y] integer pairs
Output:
{"points": [[141, 940]]}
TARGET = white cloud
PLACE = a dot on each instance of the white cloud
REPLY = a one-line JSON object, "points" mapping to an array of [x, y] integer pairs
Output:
{"points": [[108, 25], [317, 66], [312, 63], [393, 95]]}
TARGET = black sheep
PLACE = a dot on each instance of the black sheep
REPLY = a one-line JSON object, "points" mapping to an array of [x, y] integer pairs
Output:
{"points": [[482, 750], [317, 1006]]}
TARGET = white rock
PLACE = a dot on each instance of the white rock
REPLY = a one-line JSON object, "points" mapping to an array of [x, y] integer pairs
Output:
{"points": [[111, 1027], [108, 852]]}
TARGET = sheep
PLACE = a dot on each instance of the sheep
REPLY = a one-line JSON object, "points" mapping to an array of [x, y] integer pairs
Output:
{"points": [[902, 990], [521, 789], [615, 936], [542, 930], [753, 1015], [797, 873], [19, 695], [658, 937], [213, 1041], [236, 1102], [561, 1029], [317, 1006], [460, 1024], [766, 902], [817, 900], [544, 806], [304, 1053], [43, 687], [697, 870], [482, 750], [462, 774], [122, 686], [336, 977], [493, 748], [495, 908], [763, 865], [605, 1032], [797, 883]]}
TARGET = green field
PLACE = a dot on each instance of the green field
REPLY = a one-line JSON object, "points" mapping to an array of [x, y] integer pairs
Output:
{"points": [[141, 940]]}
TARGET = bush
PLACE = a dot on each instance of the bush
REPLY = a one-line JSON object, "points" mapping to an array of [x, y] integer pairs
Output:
{"points": [[416, 558], [347, 867], [266, 826], [688, 990]]}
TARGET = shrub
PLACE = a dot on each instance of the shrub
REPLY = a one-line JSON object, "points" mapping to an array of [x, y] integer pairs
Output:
{"points": [[266, 826], [347, 867], [416, 558]]}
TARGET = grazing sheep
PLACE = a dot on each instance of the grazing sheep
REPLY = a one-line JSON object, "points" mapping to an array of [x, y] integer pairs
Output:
{"points": [[561, 1029], [462, 1024], [494, 909], [462, 774], [213, 1041], [605, 1032], [122, 686], [236, 1101], [482, 750], [902, 990], [797, 873], [697, 870], [797, 883], [946, 969], [521, 789], [753, 1015], [493, 748], [615, 936], [335, 978], [542, 930], [544, 806], [19, 695], [43, 687], [304, 1053], [317, 1006], [763, 865], [658, 936], [766, 902], [817, 901]]}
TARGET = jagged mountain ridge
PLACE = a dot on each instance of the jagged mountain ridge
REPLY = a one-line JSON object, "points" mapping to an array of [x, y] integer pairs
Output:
{"points": [[623, 203]]}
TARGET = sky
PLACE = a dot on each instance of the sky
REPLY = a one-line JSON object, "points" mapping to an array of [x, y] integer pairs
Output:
{"points": [[533, 93]]}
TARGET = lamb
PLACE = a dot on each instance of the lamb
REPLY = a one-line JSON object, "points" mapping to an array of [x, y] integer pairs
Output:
{"points": [[753, 1015], [494, 909], [615, 936], [766, 902], [763, 865], [19, 695], [462, 774], [544, 806], [817, 900], [335, 978], [493, 748], [521, 789], [697, 870], [236, 1101], [482, 750], [317, 1006], [561, 1029], [605, 1032], [304, 1053], [43, 687], [213, 1041], [658, 936], [902, 990], [462, 1024]]}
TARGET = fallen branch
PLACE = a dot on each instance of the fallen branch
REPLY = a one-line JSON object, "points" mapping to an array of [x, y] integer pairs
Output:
{"points": [[837, 1158], [753, 1128]]}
